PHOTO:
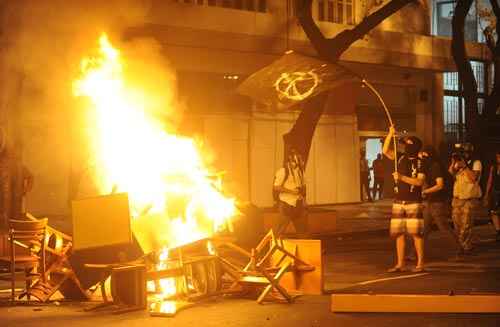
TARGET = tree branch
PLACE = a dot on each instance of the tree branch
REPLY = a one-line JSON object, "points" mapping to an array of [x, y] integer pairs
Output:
{"points": [[332, 49]]}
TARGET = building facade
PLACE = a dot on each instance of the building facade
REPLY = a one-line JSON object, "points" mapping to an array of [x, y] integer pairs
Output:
{"points": [[214, 44]]}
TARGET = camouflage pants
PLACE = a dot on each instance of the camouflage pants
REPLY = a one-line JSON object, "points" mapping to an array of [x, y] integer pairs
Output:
{"points": [[462, 215]]}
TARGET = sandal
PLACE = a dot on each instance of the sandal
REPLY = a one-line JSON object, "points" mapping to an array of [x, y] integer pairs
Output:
{"points": [[418, 269], [395, 269]]}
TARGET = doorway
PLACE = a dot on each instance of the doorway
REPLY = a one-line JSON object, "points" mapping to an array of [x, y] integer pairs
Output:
{"points": [[372, 146]]}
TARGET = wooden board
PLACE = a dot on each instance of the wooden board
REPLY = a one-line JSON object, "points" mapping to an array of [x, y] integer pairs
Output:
{"points": [[309, 282], [415, 303], [101, 221]]}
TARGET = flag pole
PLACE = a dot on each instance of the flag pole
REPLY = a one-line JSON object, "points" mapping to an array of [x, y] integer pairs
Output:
{"points": [[389, 118]]}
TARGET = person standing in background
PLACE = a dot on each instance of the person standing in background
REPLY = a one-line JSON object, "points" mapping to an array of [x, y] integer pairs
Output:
{"points": [[378, 177], [466, 193], [436, 205], [290, 189], [364, 177], [492, 195]]}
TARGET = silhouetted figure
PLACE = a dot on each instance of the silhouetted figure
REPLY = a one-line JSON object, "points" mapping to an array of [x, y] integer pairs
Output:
{"points": [[378, 177]]}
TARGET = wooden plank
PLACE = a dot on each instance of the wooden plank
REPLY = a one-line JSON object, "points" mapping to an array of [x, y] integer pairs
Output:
{"points": [[254, 279], [304, 280], [415, 303]]}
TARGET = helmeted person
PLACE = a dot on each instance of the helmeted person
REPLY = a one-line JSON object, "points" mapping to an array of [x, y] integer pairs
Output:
{"points": [[290, 186], [407, 218], [466, 193]]}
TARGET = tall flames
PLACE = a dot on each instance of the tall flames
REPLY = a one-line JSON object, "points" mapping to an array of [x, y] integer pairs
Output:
{"points": [[135, 152]]}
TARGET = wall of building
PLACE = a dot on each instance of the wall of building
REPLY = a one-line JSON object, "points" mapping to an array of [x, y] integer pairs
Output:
{"points": [[398, 55]]}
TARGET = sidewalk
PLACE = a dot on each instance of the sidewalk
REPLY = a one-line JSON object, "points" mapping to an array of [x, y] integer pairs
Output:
{"points": [[374, 217]]}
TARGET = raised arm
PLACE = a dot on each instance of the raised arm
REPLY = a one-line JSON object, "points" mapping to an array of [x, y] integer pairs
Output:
{"points": [[386, 150]]}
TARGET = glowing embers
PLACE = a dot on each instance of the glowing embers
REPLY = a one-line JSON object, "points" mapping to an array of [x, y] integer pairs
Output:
{"points": [[183, 276]]}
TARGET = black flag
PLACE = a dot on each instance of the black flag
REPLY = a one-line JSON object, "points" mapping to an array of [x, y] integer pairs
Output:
{"points": [[292, 79]]}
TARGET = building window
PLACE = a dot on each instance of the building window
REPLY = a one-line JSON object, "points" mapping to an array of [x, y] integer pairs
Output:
{"points": [[453, 102], [336, 11], [443, 13], [249, 5]]}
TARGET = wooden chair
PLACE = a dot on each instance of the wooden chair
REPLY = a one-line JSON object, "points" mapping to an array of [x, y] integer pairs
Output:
{"points": [[268, 263], [30, 235], [58, 272]]}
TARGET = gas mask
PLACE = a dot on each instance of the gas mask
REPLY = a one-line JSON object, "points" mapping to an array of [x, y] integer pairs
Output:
{"points": [[411, 150]]}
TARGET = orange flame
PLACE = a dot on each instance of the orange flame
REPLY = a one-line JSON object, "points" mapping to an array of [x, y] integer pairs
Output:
{"points": [[135, 153]]}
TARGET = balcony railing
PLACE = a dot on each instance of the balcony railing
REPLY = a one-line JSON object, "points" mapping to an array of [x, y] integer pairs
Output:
{"points": [[249, 5]]}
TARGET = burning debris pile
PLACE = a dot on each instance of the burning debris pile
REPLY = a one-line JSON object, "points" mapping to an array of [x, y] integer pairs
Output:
{"points": [[170, 190]]}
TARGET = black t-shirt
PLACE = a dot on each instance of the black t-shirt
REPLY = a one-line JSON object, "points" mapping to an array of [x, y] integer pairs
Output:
{"points": [[409, 167], [435, 171]]}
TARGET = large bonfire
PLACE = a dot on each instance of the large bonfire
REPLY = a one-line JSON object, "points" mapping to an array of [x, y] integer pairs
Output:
{"points": [[134, 151]]}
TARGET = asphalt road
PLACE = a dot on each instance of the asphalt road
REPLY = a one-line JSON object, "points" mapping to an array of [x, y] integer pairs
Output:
{"points": [[353, 264]]}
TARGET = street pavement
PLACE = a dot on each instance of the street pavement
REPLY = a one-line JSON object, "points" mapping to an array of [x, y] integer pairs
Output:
{"points": [[355, 261]]}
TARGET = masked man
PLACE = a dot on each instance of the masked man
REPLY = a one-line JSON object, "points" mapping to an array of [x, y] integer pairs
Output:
{"points": [[407, 207], [290, 186]]}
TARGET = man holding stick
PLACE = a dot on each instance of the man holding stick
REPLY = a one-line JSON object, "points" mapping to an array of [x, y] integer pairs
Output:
{"points": [[407, 207]]}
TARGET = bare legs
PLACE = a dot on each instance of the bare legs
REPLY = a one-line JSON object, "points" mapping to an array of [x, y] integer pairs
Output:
{"points": [[400, 250], [496, 221]]}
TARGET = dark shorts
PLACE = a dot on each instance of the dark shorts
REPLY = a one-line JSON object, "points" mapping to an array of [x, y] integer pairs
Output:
{"points": [[407, 218]]}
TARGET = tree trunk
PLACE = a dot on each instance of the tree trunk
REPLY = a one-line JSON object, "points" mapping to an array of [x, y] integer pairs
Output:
{"points": [[464, 68], [492, 101]]}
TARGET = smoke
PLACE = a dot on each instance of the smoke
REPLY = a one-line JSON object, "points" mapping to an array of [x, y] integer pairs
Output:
{"points": [[42, 44]]}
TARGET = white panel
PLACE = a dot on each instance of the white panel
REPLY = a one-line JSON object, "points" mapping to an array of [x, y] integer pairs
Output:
{"points": [[262, 152], [237, 179], [227, 138], [347, 164], [218, 135], [325, 182], [282, 127]]}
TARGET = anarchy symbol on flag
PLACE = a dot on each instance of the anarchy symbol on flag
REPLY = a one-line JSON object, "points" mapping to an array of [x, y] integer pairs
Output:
{"points": [[287, 85]]}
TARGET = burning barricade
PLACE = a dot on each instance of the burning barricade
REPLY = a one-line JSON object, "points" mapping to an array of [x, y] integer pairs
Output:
{"points": [[164, 195]]}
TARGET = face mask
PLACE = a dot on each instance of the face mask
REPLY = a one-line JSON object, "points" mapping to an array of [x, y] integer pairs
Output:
{"points": [[411, 150]]}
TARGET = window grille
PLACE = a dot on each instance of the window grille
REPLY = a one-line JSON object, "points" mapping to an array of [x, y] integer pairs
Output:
{"points": [[249, 5], [336, 11]]}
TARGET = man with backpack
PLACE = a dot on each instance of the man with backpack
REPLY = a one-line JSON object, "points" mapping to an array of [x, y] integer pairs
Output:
{"points": [[466, 192], [289, 191]]}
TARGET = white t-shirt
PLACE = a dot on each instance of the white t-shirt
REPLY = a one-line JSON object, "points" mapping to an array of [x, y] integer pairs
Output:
{"points": [[463, 188], [293, 181]]}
